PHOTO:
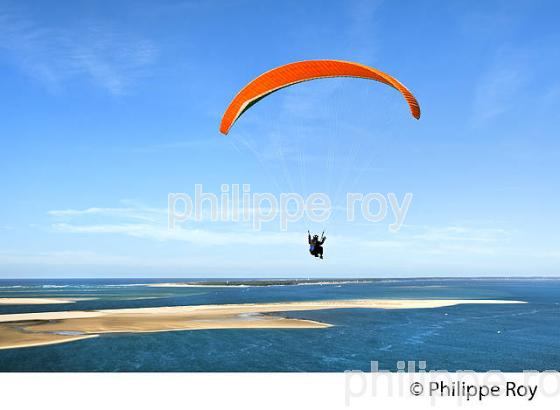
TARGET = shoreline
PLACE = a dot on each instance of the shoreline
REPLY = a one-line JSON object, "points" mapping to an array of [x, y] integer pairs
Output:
{"points": [[36, 342], [39, 301], [42, 328], [255, 283]]}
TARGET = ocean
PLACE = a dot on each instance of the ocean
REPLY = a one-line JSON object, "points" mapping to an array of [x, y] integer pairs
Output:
{"points": [[508, 337]]}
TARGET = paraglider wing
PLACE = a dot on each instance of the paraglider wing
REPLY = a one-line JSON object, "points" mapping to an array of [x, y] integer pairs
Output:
{"points": [[294, 73]]}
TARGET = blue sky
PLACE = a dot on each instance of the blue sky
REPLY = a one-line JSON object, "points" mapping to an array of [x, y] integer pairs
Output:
{"points": [[109, 106]]}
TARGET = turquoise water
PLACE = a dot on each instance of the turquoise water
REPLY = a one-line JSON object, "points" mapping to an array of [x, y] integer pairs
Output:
{"points": [[466, 337]]}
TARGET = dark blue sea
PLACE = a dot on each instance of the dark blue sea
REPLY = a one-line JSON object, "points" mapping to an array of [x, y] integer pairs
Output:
{"points": [[505, 337]]}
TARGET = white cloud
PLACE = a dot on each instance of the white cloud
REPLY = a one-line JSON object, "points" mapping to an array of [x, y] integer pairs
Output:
{"points": [[389, 244], [195, 236], [458, 242], [461, 233], [62, 258], [362, 27], [441, 241], [141, 213], [140, 221], [500, 84], [108, 57], [82, 263], [153, 225]]}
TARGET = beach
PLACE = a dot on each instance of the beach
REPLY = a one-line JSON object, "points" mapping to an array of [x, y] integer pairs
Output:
{"points": [[42, 328]]}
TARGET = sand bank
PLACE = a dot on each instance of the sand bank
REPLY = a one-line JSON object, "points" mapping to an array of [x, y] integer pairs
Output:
{"points": [[34, 329]]}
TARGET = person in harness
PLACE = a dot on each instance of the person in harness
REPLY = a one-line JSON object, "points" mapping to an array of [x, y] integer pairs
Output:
{"points": [[316, 244]]}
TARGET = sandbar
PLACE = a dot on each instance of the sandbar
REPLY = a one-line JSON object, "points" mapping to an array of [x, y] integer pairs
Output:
{"points": [[36, 329]]}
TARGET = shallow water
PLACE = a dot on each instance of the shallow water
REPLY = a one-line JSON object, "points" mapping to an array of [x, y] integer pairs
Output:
{"points": [[466, 337]]}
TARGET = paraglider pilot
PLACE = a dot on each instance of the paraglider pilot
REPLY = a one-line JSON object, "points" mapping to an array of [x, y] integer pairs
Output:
{"points": [[316, 244]]}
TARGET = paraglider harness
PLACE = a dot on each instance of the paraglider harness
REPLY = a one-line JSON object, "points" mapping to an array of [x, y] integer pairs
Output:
{"points": [[316, 244]]}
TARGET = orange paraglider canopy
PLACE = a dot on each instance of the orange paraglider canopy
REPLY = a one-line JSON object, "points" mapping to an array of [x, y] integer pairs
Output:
{"points": [[294, 73]]}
